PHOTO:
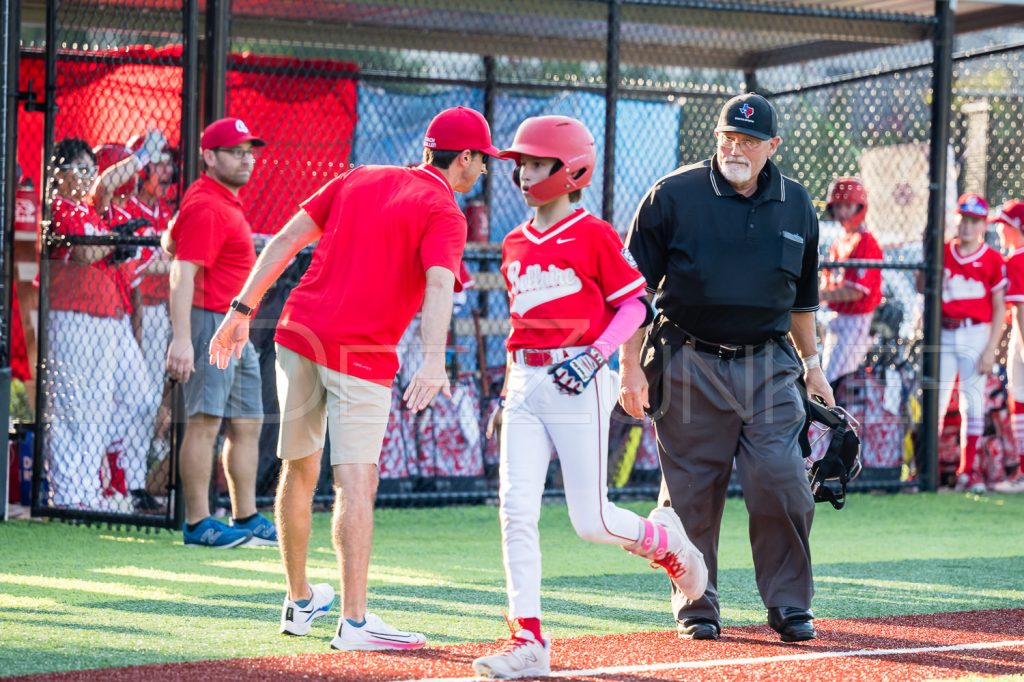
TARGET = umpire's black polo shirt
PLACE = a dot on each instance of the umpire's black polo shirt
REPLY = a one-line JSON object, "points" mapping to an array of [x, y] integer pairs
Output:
{"points": [[728, 268]]}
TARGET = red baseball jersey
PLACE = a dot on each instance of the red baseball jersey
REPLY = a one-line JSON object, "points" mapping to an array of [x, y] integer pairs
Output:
{"points": [[564, 284], [155, 289], [1015, 277], [92, 288], [125, 271], [212, 232], [383, 228], [968, 282], [859, 245]]}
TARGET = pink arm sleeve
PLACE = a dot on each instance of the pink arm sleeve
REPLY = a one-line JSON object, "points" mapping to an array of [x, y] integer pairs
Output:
{"points": [[627, 320]]}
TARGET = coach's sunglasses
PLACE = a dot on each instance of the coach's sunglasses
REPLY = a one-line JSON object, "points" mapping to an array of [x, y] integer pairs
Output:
{"points": [[239, 153]]}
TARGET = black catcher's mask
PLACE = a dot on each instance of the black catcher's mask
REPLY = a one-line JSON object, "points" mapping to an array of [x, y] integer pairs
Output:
{"points": [[842, 459]]}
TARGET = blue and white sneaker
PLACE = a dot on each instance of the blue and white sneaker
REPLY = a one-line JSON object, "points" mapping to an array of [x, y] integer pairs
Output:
{"points": [[297, 620], [212, 533], [263, 531]]}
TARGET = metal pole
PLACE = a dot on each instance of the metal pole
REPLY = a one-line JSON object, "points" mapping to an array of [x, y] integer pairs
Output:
{"points": [[49, 116], [942, 86], [750, 80], [11, 24], [189, 93], [490, 90], [218, 19], [611, 100]]}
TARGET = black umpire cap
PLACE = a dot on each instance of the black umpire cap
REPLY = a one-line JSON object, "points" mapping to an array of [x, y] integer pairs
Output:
{"points": [[749, 114]]}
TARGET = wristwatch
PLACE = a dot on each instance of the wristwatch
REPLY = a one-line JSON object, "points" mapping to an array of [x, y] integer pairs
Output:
{"points": [[241, 307]]}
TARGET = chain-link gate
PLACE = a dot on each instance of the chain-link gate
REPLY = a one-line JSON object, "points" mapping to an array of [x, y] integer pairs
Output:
{"points": [[330, 85]]}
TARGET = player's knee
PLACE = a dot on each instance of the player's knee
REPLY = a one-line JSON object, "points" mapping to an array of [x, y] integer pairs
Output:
{"points": [[592, 530]]}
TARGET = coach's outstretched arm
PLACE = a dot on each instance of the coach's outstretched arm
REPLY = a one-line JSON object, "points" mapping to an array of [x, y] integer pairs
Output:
{"points": [[233, 332], [436, 316]]}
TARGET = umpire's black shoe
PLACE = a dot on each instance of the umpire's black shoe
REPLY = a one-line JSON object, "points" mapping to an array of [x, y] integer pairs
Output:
{"points": [[698, 628], [792, 623]]}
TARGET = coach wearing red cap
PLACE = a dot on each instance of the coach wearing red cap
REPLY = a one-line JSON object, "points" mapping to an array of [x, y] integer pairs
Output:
{"points": [[390, 242], [213, 252]]}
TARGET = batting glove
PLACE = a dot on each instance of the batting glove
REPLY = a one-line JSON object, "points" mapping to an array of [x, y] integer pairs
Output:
{"points": [[573, 375], [152, 145]]}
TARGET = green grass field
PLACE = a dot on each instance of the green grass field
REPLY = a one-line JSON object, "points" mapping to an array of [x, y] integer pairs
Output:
{"points": [[77, 597]]}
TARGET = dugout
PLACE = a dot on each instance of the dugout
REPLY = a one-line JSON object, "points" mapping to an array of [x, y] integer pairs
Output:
{"points": [[888, 92]]}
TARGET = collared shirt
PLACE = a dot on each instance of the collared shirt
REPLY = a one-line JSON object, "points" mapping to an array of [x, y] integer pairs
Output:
{"points": [[212, 232], [728, 268], [383, 228]]}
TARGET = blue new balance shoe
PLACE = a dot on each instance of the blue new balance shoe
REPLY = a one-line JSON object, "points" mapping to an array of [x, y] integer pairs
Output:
{"points": [[212, 533], [263, 531]]}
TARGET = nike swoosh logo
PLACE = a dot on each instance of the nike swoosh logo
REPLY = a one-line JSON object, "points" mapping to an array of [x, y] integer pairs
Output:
{"points": [[392, 638], [564, 241]]}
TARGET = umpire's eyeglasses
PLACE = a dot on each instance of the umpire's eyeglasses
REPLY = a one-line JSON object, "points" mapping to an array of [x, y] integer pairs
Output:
{"points": [[239, 152]]}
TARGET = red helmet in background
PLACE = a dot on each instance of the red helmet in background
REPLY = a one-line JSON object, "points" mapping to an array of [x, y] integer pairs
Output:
{"points": [[1011, 213], [109, 154], [848, 190], [555, 137]]}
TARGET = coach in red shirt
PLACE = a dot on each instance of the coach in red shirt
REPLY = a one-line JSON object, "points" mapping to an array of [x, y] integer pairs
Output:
{"points": [[390, 242], [213, 251]]}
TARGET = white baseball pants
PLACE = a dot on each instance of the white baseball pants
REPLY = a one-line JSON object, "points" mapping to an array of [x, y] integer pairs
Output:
{"points": [[846, 343], [959, 354]]}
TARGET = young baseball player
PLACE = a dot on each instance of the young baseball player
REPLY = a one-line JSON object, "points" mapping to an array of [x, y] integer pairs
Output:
{"points": [[574, 297], [852, 293], [973, 286], [1011, 222]]}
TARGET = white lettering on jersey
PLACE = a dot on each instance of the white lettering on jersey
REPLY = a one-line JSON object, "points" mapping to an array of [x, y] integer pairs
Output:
{"points": [[959, 288], [537, 286]]}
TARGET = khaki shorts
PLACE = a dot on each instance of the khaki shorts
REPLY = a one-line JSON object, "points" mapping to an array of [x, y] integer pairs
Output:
{"points": [[315, 399]]}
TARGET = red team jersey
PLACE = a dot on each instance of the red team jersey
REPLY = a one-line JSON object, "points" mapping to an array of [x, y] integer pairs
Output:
{"points": [[565, 284], [212, 232], [92, 288], [860, 245], [1015, 277], [155, 288], [968, 282], [383, 228]]}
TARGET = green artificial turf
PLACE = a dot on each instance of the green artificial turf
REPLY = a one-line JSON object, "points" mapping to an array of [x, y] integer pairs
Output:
{"points": [[78, 597]]}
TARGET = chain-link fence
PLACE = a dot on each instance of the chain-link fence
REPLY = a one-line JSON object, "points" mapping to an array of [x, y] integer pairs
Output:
{"points": [[330, 85]]}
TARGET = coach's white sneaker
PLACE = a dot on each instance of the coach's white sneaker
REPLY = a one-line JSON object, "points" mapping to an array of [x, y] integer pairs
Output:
{"points": [[523, 656], [297, 620], [683, 562], [374, 635]]}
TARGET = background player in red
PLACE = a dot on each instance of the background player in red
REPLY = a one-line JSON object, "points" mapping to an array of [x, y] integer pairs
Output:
{"points": [[574, 297], [973, 289], [852, 293], [1010, 219]]}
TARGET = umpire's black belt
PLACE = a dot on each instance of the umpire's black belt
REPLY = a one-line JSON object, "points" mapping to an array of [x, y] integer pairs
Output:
{"points": [[724, 351]]}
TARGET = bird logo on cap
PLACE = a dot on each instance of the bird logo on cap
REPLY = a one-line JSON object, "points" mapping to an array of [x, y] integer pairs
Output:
{"points": [[747, 112], [240, 127]]}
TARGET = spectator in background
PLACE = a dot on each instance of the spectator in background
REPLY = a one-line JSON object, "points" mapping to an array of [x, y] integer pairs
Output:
{"points": [[852, 293], [211, 242], [96, 398], [1010, 219]]}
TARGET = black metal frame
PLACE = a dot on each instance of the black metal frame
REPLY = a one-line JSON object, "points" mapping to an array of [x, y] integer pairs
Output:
{"points": [[209, 93]]}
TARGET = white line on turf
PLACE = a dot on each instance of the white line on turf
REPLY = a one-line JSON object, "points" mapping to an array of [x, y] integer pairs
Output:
{"points": [[758, 660]]}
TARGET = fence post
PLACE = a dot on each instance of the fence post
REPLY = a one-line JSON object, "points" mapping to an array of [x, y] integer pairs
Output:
{"points": [[189, 92], [942, 85], [611, 100], [218, 20]]}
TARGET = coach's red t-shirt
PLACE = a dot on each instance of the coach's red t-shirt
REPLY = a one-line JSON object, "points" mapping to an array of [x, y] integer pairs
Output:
{"points": [[383, 227], [565, 283], [212, 232], [93, 288]]}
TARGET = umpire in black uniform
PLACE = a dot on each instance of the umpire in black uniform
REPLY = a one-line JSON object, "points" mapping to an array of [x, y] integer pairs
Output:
{"points": [[731, 247]]}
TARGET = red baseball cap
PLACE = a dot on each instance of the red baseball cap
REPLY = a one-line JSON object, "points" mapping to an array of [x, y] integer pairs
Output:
{"points": [[228, 132], [460, 128], [1011, 213], [973, 205]]}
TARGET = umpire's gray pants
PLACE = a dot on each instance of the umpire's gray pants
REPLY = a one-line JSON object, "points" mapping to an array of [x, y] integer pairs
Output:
{"points": [[748, 410]]}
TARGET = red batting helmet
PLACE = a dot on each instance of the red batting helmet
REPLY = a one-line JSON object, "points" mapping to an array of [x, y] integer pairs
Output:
{"points": [[848, 190], [555, 137], [109, 154]]}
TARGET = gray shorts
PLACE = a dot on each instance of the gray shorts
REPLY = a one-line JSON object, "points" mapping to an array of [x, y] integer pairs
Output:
{"points": [[235, 392]]}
